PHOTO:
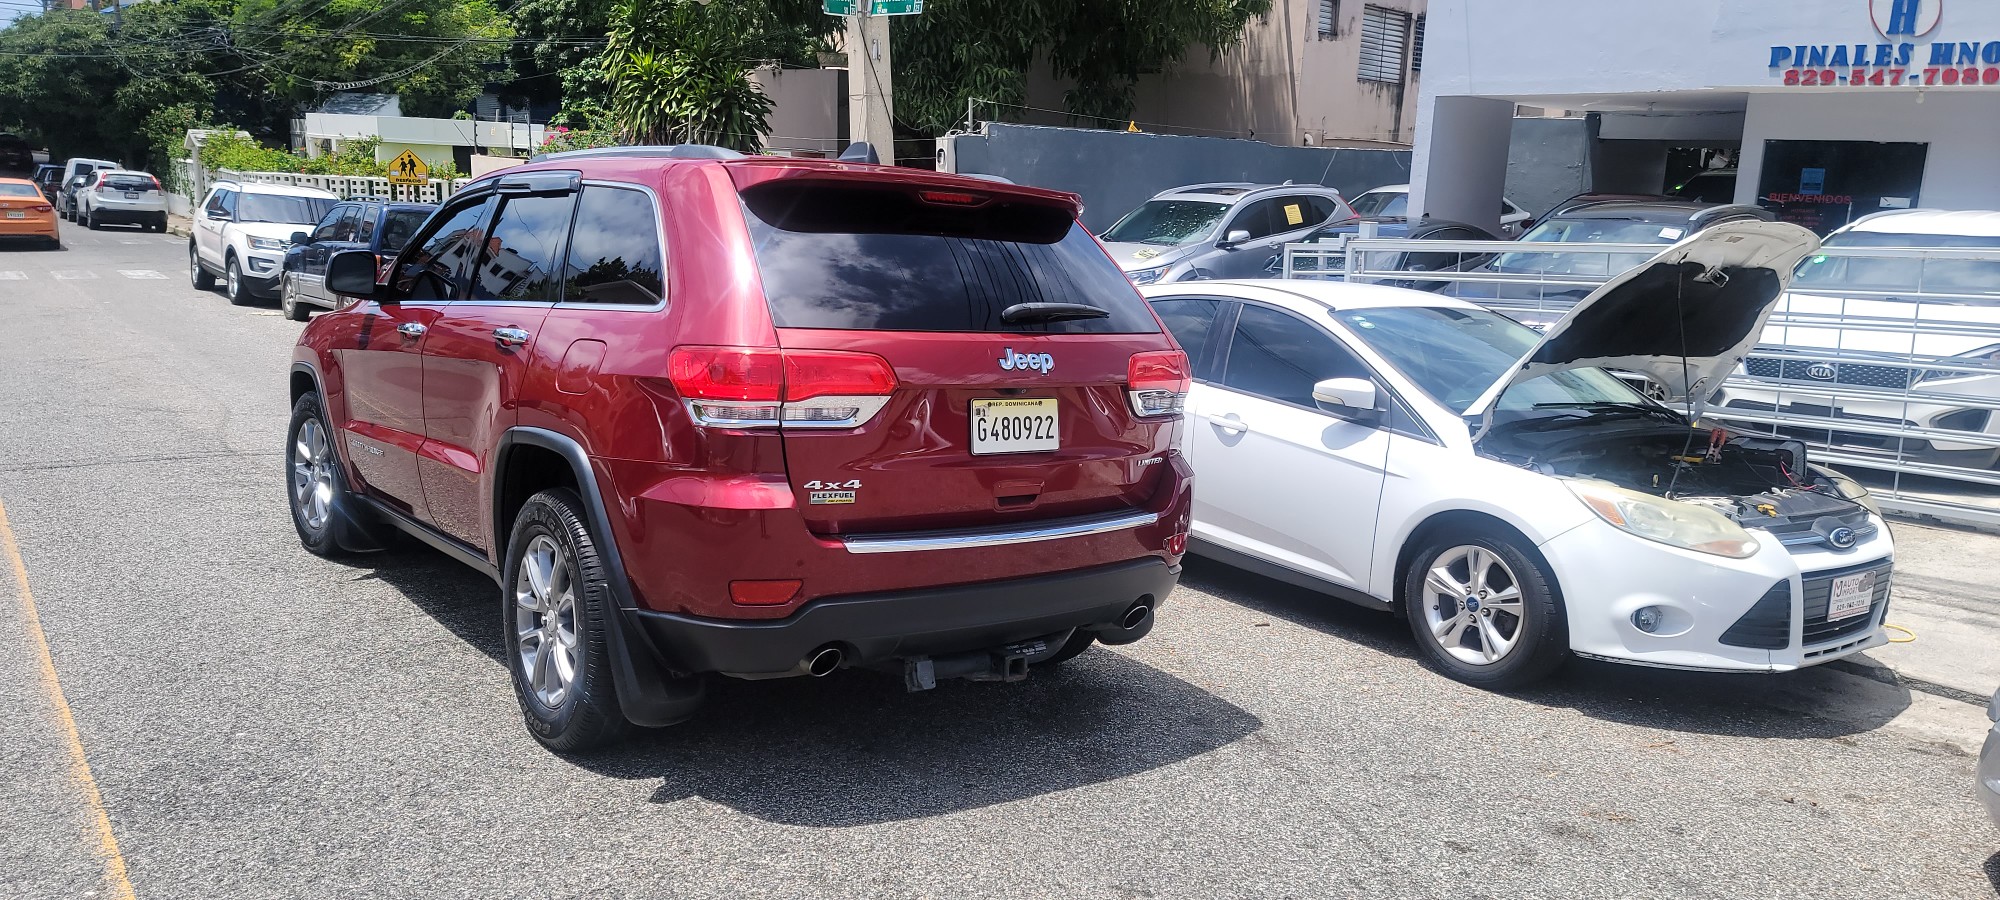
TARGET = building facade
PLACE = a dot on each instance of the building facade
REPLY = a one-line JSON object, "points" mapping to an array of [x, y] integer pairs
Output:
{"points": [[1827, 109]]}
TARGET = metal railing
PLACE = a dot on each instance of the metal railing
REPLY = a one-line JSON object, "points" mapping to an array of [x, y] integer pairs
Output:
{"points": [[1885, 360]]}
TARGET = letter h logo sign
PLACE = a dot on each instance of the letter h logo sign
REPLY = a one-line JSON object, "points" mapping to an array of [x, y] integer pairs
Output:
{"points": [[1905, 18]]}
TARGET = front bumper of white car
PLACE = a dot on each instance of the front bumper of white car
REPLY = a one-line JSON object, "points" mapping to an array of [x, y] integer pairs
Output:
{"points": [[1767, 613], [1877, 422]]}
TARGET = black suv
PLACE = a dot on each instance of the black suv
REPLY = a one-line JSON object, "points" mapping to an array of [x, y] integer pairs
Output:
{"points": [[377, 226]]}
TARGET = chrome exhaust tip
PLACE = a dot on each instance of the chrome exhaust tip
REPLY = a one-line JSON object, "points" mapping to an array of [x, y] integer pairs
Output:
{"points": [[1135, 616], [822, 662]]}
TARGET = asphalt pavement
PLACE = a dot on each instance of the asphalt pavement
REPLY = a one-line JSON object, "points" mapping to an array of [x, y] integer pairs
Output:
{"points": [[256, 722]]}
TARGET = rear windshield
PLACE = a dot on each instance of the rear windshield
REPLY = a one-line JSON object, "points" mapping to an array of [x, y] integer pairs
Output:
{"points": [[128, 182], [283, 209], [882, 259], [19, 190], [1945, 276], [398, 225]]}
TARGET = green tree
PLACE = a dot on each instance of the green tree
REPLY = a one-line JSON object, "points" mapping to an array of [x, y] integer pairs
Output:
{"points": [[56, 81], [679, 72]]}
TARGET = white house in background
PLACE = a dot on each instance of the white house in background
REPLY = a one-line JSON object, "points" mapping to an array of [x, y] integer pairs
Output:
{"points": [[435, 141], [1840, 107]]}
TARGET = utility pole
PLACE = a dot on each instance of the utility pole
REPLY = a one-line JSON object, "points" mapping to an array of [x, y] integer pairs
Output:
{"points": [[870, 98]]}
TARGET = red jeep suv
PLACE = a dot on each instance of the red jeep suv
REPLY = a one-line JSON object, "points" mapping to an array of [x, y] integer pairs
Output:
{"points": [[699, 413]]}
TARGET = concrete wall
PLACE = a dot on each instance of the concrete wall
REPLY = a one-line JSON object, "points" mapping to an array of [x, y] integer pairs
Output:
{"points": [[808, 108], [1548, 161], [1282, 84], [1115, 171], [1963, 130]]}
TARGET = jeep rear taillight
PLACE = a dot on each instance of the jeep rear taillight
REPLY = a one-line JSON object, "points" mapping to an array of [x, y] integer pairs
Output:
{"points": [[755, 387], [1158, 382]]}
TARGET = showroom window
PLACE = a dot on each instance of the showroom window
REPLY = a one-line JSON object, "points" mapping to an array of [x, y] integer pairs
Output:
{"points": [[1385, 35]]}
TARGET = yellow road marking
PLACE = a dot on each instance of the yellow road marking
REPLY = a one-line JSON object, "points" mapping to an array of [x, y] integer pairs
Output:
{"points": [[79, 764]]}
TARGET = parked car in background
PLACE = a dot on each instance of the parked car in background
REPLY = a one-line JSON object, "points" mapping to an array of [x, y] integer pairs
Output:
{"points": [[1335, 267], [1392, 201], [1515, 501], [27, 215], [1871, 359], [122, 197], [1589, 197], [1224, 230], [49, 179], [241, 233], [811, 416], [371, 224], [16, 155], [1707, 186], [74, 171], [1658, 222]]}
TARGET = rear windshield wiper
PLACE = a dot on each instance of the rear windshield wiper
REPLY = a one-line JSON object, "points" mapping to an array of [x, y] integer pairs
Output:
{"points": [[1050, 312]]}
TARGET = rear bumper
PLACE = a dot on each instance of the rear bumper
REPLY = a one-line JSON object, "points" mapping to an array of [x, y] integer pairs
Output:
{"points": [[873, 628], [114, 215]]}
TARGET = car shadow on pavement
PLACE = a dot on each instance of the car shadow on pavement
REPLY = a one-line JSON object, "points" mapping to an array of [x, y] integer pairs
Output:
{"points": [[1992, 868], [1818, 702], [854, 748]]}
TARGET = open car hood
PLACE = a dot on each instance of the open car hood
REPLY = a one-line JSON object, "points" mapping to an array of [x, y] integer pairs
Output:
{"points": [[1684, 318]]}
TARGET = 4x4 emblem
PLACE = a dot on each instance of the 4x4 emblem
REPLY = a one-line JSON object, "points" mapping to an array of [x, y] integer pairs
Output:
{"points": [[1040, 362]]}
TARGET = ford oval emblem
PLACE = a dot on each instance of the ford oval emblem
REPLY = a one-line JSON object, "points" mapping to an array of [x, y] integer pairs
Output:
{"points": [[1821, 371], [1841, 538]]}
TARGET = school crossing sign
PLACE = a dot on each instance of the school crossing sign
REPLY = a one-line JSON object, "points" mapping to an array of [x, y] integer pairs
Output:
{"points": [[408, 169], [1911, 53]]}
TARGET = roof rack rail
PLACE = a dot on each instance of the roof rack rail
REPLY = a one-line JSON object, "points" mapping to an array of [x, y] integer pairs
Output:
{"points": [[660, 151]]}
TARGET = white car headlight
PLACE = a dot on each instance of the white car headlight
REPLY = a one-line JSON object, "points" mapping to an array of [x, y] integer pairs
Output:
{"points": [[1849, 489], [272, 244], [1669, 522], [1146, 276]]}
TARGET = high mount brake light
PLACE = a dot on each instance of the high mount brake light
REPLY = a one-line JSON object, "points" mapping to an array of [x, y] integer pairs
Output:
{"points": [[1158, 382], [953, 198], [764, 387]]}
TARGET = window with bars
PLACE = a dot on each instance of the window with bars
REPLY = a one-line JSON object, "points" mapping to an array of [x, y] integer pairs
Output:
{"points": [[1385, 37], [1417, 46], [1328, 14]]}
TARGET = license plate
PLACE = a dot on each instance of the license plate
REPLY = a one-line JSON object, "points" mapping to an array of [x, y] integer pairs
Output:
{"points": [[16, 214], [131, 195], [1014, 426], [1851, 596]]}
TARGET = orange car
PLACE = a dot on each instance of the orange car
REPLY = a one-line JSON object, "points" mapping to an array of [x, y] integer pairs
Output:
{"points": [[25, 213]]}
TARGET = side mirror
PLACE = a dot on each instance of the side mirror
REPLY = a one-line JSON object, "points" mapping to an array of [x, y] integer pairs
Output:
{"points": [[351, 273], [1234, 237], [1352, 399], [300, 237]]}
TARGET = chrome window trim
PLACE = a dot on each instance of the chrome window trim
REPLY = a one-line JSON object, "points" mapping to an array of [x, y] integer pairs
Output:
{"points": [[959, 539]]}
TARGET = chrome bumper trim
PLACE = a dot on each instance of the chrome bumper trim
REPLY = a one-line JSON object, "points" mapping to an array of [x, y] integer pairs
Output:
{"points": [[912, 541]]}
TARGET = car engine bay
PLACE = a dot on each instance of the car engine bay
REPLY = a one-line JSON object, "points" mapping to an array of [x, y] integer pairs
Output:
{"points": [[1762, 482]]}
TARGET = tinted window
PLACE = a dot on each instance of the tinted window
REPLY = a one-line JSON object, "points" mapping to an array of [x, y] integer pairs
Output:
{"points": [[330, 226], [1257, 218], [365, 226], [1279, 356], [614, 251], [398, 225], [521, 255], [1323, 208], [129, 183], [868, 258], [216, 204], [283, 209], [1382, 203], [1190, 321], [431, 272], [18, 190]]}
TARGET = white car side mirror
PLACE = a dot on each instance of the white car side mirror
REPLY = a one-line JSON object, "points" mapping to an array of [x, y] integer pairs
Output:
{"points": [[1349, 398]]}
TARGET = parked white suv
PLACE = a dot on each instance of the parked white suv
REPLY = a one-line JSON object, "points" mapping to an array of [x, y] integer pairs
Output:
{"points": [[241, 233], [122, 197]]}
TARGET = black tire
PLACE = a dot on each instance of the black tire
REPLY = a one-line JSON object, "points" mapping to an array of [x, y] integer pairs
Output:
{"points": [[1079, 641], [198, 276], [90, 221], [1540, 636], [232, 283], [585, 714], [288, 300], [341, 532]]}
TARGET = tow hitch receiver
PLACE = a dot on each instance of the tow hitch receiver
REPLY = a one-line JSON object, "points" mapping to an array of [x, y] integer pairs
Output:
{"points": [[1009, 663]]}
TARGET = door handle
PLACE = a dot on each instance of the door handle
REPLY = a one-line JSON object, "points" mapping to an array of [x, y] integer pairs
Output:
{"points": [[411, 330], [510, 337], [1229, 422]]}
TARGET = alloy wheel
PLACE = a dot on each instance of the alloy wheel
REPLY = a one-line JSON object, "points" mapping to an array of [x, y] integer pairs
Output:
{"points": [[312, 476], [194, 266], [286, 304], [545, 610], [235, 281], [1472, 605]]}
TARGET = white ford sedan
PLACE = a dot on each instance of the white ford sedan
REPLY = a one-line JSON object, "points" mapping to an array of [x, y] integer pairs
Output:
{"points": [[1513, 499]]}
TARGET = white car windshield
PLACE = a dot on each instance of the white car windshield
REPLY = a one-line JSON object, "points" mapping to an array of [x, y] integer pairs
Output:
{"points": [[1167, 222], [1946, 276], [1382, 203], [1454, 355]]}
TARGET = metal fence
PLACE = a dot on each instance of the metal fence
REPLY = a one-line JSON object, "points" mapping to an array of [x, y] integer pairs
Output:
{"points": [[1886, 360], [197, 179]]}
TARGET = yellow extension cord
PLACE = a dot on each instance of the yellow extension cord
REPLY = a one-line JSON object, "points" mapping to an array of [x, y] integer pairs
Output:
{"points": [[1897, 640]]}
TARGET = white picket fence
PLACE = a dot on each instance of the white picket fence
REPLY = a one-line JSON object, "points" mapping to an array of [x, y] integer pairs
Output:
{"points": [[198, 178]]}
